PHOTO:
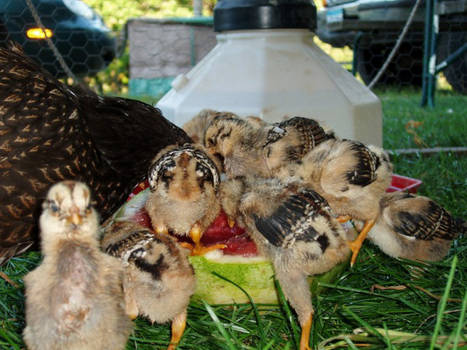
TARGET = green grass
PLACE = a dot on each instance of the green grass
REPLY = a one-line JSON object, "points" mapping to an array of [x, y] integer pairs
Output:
{"points": [[348, 313]]}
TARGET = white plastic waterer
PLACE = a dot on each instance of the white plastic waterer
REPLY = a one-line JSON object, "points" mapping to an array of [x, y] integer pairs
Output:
{"points": [[274, 73]]}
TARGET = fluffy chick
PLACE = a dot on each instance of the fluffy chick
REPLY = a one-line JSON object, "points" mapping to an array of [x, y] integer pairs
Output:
{"points": [[289, 141], [294, 227], [414, 227], [196, 126], [238, 143], [351, 176], [74, 298], [158, 279], [183, 199]]}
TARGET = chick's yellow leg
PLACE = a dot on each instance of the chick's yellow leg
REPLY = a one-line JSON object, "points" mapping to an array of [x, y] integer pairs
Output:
{"points": [[198, 249], [161, 229], [343, 218], [178, 327], [131, 307], [357, 244], [305, 337]]}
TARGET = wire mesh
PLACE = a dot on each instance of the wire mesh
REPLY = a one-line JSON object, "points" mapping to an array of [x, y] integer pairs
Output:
{"points": [[378, 24], [77, 32]]}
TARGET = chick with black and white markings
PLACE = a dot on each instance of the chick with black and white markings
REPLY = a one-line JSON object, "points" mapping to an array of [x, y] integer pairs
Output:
{"points": [[351, 176], [414, 227], [74, 298], [295, 228], [196, 127], [290, 140], [183, 199], [158, 279], [238, 143]]}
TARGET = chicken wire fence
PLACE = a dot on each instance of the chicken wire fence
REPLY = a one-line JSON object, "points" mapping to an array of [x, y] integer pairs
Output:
{"points": [[87, 46], [80, 45], [368, 32]]}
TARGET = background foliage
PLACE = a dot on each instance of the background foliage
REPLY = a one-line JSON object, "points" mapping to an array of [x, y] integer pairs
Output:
{"points": [[115, 13]]}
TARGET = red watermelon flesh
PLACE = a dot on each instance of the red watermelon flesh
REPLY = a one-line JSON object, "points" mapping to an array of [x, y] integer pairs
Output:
{"points": [[235, 238]]}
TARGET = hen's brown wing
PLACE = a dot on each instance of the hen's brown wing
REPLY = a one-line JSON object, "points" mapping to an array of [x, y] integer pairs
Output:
{"points": [[38, 138], [128, 133], [49, 133]]}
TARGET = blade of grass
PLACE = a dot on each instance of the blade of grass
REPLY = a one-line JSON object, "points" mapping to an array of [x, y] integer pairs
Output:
{"points": [[355, 290], [283, 302], [367, 326], [5, 334], [268, 345], [443, 302], [219, 326], [460, 324], [253, 304], [350, 343]]}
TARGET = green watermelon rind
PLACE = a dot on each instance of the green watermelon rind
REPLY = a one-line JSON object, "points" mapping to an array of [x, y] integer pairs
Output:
{"points": [[255, 277]]}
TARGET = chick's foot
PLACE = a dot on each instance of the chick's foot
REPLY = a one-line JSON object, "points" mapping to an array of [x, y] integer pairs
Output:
{"points": [[178, 327], [356, 245], [197, 248], [305, 337]]}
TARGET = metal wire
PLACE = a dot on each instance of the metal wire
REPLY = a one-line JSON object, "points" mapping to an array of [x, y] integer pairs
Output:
{"points": [[52, 46], [396, 46]]}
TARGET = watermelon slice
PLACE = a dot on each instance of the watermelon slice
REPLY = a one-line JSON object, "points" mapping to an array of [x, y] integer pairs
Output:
{"points": [[239, 262]]}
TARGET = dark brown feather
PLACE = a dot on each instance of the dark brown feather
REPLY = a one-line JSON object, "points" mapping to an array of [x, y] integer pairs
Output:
{"points": [[423, 219], [364, 172], [50, 132], [293, 219], [309, 130]]}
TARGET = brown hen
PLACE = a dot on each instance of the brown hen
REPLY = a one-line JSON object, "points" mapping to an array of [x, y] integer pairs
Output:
{"points": [[51, 132]]}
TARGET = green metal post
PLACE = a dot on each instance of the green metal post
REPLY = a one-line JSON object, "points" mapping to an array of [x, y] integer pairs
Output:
{"points": [[429, 54]]}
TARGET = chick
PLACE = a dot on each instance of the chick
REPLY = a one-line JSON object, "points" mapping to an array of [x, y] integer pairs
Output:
{"points": [[238, 143], [414, 227], [74, 298], [184, 184], [351, 176], [295, 228], [158, 279], [289, 141], [196, 127]]}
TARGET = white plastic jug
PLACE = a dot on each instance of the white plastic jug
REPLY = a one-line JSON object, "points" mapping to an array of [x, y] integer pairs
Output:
{"points": [[273, 74]]}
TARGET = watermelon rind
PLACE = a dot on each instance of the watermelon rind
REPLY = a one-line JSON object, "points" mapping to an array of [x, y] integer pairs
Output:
{"points": [[254, 275]]}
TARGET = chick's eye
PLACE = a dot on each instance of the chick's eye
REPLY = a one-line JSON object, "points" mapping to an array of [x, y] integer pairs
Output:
{"points": [[166, 177], [268, 152], [200, 170], [54, 207]]}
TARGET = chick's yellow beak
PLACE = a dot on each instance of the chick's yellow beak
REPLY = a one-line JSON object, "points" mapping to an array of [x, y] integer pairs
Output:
{"points": [[75, 218]]}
